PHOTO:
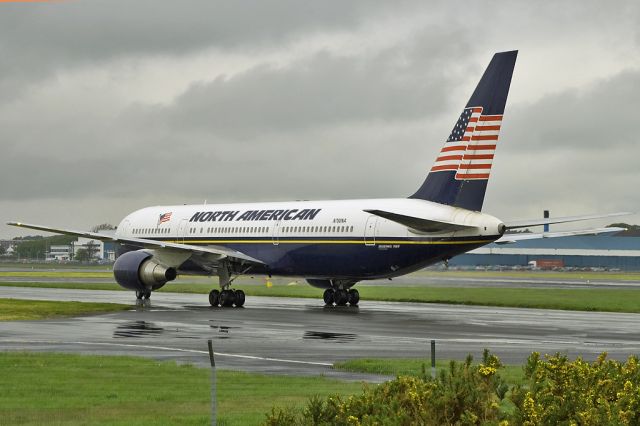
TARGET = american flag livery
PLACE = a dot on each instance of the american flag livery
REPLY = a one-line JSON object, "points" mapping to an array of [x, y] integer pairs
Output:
{"points": [[164, 217], [470, 148]]}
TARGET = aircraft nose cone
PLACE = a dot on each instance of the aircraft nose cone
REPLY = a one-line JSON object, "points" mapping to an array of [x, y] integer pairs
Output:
{"points": [[502, 228]]}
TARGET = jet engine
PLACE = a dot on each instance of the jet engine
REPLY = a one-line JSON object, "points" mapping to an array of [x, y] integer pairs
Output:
{"points": [[137, 270]]}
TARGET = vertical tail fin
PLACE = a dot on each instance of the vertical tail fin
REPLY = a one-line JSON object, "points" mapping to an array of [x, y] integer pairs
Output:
{"points": [[460, 174]]}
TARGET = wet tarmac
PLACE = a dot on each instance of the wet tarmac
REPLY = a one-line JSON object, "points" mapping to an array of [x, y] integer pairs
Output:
{"points": [[539, 280], [301, 336]]}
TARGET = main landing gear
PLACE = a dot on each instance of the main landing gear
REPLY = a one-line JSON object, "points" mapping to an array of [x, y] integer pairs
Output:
{"points": [[341, 297], [226, 296]]}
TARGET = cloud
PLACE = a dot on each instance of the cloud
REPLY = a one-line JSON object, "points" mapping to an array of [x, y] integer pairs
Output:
{"points": [[148, 103]]}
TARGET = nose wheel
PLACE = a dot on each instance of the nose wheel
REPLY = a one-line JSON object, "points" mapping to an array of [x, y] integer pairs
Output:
{"points": [[143, 295]]}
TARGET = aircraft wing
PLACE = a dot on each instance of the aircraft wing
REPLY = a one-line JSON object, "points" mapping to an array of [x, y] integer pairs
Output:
{"points": [[549, 221], [420, 224], [221, 252], [514, 238]]}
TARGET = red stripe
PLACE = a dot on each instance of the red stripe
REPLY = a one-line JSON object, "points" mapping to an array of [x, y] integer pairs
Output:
{"points": [[478, 157], [480, 147], [474, 166], [469, 129], [447, 167], [485, 128], [484, 138], [449, 157], [473, 119], [472, 176], [466, 138], [453, 148], [491, 118], [477, 109]]}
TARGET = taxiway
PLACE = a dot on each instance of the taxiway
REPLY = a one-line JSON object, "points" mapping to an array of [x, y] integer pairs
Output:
{"points": [[300, 336]]}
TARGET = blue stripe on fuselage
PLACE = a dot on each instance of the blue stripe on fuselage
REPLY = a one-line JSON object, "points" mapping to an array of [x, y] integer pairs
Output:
{"points": [[343, 257]]}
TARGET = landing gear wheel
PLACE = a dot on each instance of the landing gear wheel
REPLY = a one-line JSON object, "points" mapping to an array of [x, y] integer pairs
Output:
{"points": [[239, 298], [139, 295], [328, 297], [341, 297], [227, 298], [147, 295], [214, 297], [354, 297]]}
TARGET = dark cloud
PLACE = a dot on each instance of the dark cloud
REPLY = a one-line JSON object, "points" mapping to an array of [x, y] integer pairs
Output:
{"points": [[362, 113], [37, 40], [323, 90]]}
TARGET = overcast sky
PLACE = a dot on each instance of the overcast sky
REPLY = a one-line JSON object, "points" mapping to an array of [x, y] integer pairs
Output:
{"points": [[109, 106]]}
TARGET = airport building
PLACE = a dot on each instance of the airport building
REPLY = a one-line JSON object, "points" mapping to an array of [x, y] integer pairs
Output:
{"points": [[97, 250], [593, 251]]}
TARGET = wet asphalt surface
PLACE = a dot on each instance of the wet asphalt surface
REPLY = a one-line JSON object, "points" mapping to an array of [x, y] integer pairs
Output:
{"points": [[419, 279], [301, 336]]}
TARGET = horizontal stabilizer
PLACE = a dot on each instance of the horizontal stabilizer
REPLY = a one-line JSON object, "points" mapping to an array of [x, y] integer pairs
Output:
{"points": [[550, 221], [420, 224], [221, 252], [514, 238]]}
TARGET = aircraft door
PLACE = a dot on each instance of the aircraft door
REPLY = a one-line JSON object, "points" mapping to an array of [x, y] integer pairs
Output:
{"points": [[370, 230], [124, 229], [182, 230], [276, 233]]}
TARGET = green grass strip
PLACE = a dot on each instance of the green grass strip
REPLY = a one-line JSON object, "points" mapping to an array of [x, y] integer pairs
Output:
{"points": [[56, 274], [15, 309], [605, 300], [52, 388], [512, 374]]}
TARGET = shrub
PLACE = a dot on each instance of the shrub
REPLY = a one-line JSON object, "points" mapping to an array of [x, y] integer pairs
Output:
{"points": [[559, 391], [464, 394]]}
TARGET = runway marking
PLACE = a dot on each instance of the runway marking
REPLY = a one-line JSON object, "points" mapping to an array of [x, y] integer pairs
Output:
{"points": [[166, 348]]}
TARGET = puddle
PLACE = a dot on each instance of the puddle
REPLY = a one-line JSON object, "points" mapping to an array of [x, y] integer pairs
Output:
{"points": [[137, 329], [335, 337]]}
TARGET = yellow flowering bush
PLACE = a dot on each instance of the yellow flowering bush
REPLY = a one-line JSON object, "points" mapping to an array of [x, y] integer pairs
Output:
{"points": [[463, 394], [562, 392], [556, 391]]}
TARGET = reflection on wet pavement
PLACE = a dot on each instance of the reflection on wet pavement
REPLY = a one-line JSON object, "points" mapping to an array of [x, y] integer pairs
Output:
{"points": [[334, 337], [137, 329]]}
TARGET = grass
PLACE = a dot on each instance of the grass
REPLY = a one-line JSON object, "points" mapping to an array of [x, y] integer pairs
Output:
{"points": [[52, 388], [14, 309], [56, 274], [604, 300], [569, 275], [513, 374]]}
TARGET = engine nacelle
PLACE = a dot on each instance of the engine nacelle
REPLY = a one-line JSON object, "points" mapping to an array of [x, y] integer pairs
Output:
{"points": [[137, 270]]}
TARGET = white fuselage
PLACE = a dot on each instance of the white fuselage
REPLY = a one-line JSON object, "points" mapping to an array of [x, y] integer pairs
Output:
{"points": [[292, 237]]}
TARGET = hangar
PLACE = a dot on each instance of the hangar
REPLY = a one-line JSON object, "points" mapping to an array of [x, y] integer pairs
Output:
{"points": [[594, 251]]}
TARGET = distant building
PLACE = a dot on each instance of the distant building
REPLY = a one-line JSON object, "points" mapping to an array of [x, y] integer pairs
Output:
{"points": [[59, 253], [97, 249], [593, 251], [94, 247]]}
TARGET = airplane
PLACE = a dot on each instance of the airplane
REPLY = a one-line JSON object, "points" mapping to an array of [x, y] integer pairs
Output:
{"points": [[338, 243]]}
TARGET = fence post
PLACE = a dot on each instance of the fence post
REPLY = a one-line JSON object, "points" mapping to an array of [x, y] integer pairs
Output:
{"points": [[214, 392], [433, 359]]}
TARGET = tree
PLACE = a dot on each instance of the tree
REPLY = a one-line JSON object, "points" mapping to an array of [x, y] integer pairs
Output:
{"points": [[82, 255], [632, 230], [3, 250], [92, 248], [103, 227]]}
